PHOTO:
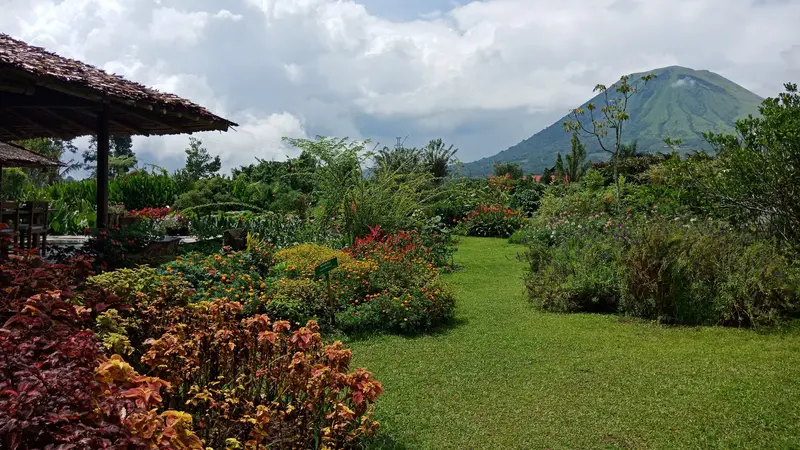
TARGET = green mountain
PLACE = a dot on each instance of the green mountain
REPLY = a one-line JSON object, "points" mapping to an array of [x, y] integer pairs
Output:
{"points": [[679, 103]]}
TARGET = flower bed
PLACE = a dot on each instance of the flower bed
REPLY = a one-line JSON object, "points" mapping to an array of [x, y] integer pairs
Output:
{"points": [[284, 286], [234, 381], [492, 221]]}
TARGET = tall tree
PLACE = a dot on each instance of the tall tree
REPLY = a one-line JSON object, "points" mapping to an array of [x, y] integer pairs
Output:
{"points": [[760, 181], [561, 172], [577, 164], [611, 118], [512, 169], [121, 158], [547, 176], [437, 159], [199, 164], [399, 159]]}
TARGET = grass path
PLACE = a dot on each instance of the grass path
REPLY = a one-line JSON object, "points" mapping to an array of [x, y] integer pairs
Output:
{"points": [[506, 376]]}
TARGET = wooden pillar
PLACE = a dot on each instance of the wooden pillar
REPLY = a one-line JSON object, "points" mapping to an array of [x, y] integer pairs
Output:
{"points": [[102, 167]]}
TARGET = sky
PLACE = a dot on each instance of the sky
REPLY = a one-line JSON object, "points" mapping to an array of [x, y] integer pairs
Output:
{"points": [[482, 75]]}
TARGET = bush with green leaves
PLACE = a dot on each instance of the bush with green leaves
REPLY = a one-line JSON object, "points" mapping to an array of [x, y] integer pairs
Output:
{"points": [[278, 229], [143, 189], [142, 294], [708, 274], [579, 274], [441, 242], [527, 197], [761, 167], [298, 300], [678, 272], [207, 191], [458, 198]]}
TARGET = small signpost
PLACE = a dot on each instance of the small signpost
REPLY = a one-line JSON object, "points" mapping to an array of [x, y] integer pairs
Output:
{"points": [[325, 269]]}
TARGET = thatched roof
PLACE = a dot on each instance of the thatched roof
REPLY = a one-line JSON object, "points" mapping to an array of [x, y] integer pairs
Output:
{"points": [[15, 156], [45, 95]]}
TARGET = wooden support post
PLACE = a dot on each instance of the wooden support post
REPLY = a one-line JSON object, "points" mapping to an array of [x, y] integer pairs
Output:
{"points": [[102, 167], [330, 298]]}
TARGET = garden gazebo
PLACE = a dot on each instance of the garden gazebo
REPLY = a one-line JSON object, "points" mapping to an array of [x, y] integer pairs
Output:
{"points": [[45, 95]]}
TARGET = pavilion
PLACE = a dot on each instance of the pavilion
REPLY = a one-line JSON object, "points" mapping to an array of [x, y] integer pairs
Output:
{"points": [[45, 95]]}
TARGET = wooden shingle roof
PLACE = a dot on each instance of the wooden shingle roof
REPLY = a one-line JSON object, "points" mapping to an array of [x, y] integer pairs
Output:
{"points": [[43, 94], [15, 156]]}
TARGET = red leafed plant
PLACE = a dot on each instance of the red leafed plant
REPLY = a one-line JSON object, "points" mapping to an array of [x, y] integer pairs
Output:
{"points": [[25, 275], [235, 379], [151, 213], [54, 395], [259, 382]]}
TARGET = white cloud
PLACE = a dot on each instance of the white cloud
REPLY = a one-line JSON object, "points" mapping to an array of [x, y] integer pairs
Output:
{"points": [[683, 82], [172, 26], [483, 75], [258, 136]]}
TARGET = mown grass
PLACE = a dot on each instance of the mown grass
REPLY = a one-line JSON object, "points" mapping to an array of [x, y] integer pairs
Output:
{"points": [[507, 376]]}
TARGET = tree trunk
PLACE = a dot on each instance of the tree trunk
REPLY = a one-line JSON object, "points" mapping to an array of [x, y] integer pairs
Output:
{"points": [[616, 182]]}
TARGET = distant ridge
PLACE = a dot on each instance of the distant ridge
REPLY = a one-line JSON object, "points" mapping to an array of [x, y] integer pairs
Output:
{"points": [[680, 103]]}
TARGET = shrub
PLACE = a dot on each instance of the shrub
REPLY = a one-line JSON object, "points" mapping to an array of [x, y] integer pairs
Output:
{"points": [[527, 196], [244, 382], [420, 308], [577, 275], [400, 259], [351, 281], [298, 301], [276, 229], [405, 245], [259, 383], [238, 276], [440, 241], [653, 282], [142, 189], [492, 221], [708, 274], [113, 247], [520, 237]]}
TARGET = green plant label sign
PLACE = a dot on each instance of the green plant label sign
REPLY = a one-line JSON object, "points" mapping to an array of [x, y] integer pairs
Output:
{"points": [[326, 267]]}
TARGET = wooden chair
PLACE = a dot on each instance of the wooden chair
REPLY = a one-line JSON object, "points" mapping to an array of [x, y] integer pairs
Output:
{"points": [[33, 231], [9, 233]]}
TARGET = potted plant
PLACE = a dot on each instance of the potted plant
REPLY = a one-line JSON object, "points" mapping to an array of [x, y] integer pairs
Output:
{"points": [[176, 224]]}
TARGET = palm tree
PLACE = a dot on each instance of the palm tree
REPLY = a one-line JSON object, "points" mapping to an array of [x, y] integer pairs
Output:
{"points": [[437, 158], [398, 159]]}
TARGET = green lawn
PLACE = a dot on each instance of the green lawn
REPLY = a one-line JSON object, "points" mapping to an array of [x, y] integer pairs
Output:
{"points": [[506, 376]]}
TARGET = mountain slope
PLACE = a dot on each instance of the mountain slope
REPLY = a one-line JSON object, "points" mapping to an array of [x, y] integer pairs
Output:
{"points": [[679, 103]]}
